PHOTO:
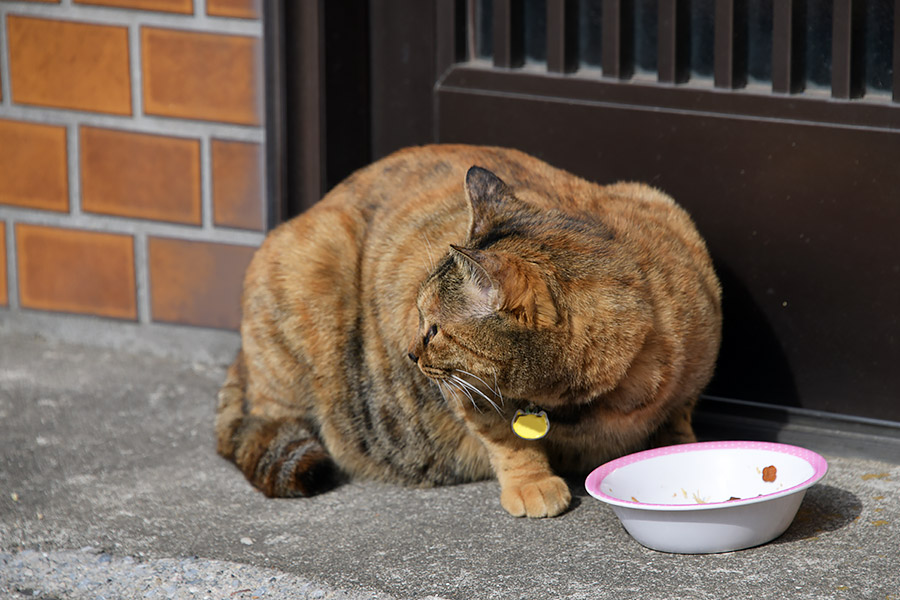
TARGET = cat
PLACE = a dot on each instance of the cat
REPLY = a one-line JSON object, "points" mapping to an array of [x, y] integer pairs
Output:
{"points": [[393, 331]]}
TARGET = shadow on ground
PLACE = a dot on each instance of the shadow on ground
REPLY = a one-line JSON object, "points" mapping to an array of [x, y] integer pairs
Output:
{"points": [[825, 508]]}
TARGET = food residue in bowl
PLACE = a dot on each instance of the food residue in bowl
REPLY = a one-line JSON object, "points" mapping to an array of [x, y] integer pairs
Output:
{"points": [[768, 474]]}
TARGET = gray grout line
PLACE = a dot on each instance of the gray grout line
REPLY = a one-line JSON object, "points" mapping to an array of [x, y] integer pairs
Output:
{"points": [[73, 142], [12, 268], [12, 275], [5, 77], [136, 124], [131, 226], [142, 277], [134, 63], [206, 182], [102, 15]]}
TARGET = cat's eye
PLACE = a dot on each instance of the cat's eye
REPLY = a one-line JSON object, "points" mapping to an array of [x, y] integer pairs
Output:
{"points": [[432, 331]]}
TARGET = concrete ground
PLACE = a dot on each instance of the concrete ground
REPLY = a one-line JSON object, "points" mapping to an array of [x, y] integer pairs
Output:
{"points": [[110, 488]]}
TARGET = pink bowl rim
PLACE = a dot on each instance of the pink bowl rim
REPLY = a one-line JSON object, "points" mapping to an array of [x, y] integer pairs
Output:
{"points": [[595, 479]]}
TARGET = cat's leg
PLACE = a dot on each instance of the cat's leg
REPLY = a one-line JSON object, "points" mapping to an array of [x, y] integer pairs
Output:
{"points": [[528, 487], [678, 429], [280, 456]]}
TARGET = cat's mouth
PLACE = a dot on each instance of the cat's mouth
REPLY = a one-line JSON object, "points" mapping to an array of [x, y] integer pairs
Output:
{"points": [[434, 372]]}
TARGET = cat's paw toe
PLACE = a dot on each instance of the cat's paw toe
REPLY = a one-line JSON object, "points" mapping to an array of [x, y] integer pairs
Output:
{"points": [[546, 497]]}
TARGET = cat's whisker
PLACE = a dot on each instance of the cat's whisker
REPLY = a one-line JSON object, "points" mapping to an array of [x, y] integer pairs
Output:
{"points": [[444, 395], [457, 384], [494, 390], [497, 387], [449, 389], [467, 387], [475, 389], [470, 397], [456, 394]]}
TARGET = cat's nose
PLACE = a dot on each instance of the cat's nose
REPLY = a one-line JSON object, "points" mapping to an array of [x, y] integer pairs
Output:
{"points": [[413, 357]]}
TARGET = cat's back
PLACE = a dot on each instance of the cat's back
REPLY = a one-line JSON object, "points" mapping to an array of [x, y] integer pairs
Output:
{"points": [[420, 176]]}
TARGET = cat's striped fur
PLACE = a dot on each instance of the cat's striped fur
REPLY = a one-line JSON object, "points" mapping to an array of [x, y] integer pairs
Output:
{"points": [[392, 331]]}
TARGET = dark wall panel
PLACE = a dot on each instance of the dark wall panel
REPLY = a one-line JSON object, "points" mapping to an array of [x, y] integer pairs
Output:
{"points": [[403, 74], [801, 219]]}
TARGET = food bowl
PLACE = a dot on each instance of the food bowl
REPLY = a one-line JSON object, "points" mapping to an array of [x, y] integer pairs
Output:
{"points": [[707, 497]]}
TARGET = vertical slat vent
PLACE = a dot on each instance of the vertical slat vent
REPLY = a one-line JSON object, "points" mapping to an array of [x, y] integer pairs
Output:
{"points": [[788, 35], [727, 53], [879, 47], [896, 52], [562, 36], [615, 53], [534, 26], [674, 41], [847, 48], [846, 65], [455, 40], [590, 34], [509, 49], [642, 18]]}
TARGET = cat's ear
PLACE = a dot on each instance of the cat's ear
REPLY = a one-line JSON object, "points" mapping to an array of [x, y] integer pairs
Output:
{"points": [[510, 284], [485, 192], [483, 288]]}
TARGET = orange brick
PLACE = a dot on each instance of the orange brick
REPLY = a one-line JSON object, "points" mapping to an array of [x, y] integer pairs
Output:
{"points": [[33, 168], [237, 184], [76, 271], [241, 9], [4, 296], [69, 65], [140, 175], [197, 283], [174, 6], [201, 76]]}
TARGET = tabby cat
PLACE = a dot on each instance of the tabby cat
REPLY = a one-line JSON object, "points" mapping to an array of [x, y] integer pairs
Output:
{"points": [[393, 331]]}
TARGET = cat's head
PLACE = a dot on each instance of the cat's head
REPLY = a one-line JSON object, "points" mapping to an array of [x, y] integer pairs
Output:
{"points": [[489, 309]]}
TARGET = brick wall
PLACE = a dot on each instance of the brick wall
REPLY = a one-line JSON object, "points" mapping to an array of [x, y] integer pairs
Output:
{"points": [[130, 159]]}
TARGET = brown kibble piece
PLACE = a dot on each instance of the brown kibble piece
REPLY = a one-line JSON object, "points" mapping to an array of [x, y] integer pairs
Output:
{"points": [[769, 473]]}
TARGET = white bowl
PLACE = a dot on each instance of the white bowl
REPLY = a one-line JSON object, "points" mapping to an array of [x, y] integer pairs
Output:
{"points": [[707, 497]]}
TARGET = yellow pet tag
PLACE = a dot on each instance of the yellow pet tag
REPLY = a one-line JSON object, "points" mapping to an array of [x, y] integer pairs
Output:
{"points": [[530, 425]]}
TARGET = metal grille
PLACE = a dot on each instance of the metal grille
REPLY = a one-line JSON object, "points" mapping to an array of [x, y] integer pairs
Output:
{"points": [[845, 48]]}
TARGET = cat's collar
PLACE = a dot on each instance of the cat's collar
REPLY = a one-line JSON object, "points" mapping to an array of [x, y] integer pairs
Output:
{"points": [[530, 423]]}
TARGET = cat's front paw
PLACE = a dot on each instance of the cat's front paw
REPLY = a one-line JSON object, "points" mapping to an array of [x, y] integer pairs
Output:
{"points": [[545, 497]]}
